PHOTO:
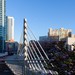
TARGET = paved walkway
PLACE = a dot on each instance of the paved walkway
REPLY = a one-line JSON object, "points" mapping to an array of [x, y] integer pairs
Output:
{"points": [[15, 63]]}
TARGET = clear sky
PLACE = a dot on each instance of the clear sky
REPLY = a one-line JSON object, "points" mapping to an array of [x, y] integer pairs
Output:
{"points": [[41, 15]]}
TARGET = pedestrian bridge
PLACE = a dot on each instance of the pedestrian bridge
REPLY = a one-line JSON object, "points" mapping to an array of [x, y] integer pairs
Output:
{"points": [[31, 58]]}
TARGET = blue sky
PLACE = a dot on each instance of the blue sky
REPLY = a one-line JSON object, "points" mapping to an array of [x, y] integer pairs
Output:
{"points": [[42, 15]]}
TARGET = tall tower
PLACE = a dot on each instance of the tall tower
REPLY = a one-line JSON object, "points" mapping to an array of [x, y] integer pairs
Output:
{"points": [[10, 28], [2, 24]]}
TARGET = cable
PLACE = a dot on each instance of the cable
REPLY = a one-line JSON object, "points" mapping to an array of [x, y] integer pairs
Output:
{"points": [[38, 59]]}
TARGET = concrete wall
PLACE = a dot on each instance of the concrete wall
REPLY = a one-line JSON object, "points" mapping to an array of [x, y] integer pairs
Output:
{"points": [[70, 41]]}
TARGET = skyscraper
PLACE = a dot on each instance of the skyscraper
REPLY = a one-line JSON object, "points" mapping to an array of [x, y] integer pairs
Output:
{"points": [[2, 23], [10, 28]]}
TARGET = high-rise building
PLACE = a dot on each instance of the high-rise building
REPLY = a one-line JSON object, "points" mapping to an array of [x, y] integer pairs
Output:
{"points": [[2, 23], [10, 28]]}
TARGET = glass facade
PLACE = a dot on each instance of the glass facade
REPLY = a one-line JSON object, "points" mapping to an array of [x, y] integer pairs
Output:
{"points": [[2, 24]]}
